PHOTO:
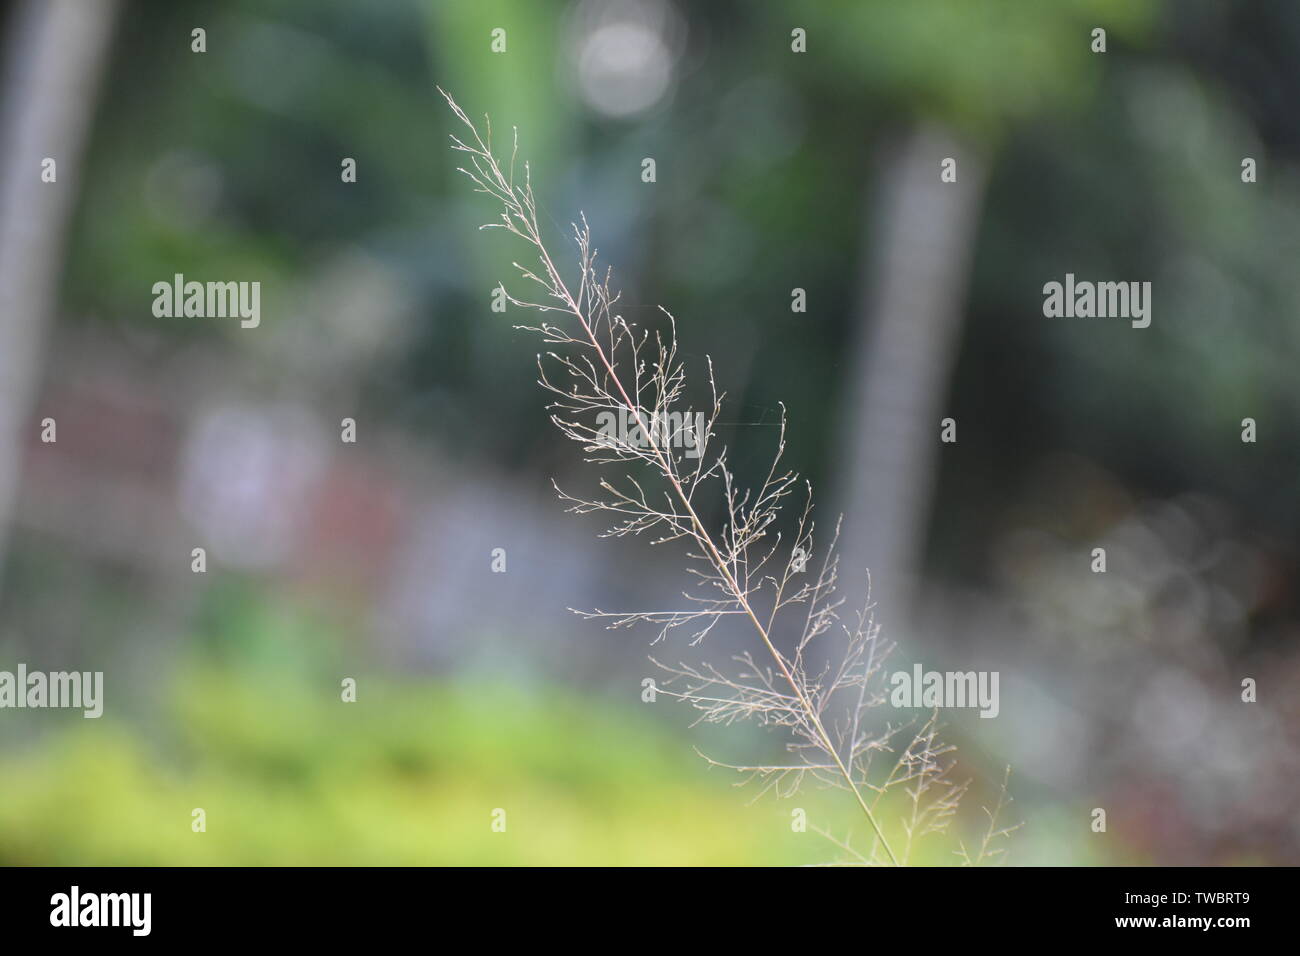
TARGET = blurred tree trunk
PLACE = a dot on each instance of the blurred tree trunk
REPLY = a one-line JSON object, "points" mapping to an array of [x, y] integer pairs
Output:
{"points": [[55, 55], [911, 302]]}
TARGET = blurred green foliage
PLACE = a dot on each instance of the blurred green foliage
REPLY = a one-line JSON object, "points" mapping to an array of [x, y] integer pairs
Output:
{"points": [[965, 63], [408, 775], [1123, 164], [251, 727]]}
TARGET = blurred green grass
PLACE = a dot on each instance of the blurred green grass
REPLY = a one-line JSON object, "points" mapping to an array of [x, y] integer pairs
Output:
{"points": [[248, 724], [408, 775]]}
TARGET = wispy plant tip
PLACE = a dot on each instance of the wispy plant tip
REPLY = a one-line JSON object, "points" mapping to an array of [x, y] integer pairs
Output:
{"points": [[620, 392]]}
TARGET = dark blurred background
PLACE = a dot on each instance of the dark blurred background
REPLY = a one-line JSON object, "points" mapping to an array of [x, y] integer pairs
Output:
{"points": [[775, 171]]}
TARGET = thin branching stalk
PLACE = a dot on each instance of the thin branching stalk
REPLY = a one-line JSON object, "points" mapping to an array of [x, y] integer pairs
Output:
{"points": [[992, 848], [605, 373]]}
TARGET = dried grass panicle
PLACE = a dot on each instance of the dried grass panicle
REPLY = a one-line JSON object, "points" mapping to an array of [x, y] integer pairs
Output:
{"points": [[601, 367]]}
